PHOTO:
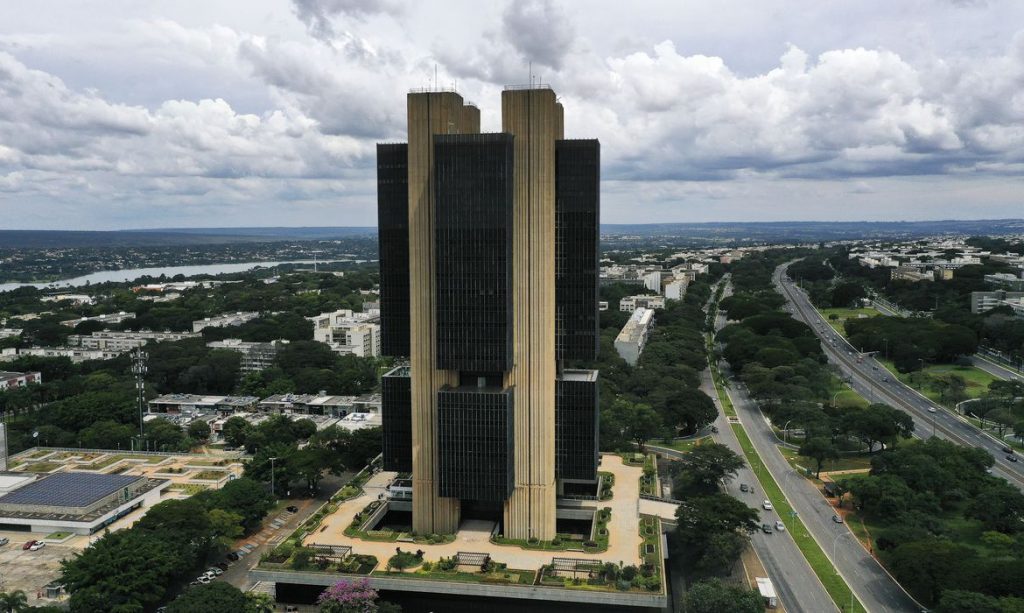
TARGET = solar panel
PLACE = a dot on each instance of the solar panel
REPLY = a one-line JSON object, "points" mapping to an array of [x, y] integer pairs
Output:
{"points": [[71, 489]]}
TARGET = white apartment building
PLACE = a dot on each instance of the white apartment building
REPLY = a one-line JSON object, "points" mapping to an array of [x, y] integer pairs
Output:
{"points": [[348, 332], [629, 304], [76, 355], [124, 341], [676, 290], [221, 321], [652, 281], [631, 340], [10, 380], [255, 356]]}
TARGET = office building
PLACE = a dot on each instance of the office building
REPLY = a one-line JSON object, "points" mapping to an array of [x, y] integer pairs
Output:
{"points": [[11, 380], [986, 301], [489, 267], [256, 356], [124, 341], [222, 321]]}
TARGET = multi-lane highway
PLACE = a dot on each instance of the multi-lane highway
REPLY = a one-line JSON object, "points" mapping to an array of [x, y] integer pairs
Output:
{"points": [[868, 377], [798, 587]]}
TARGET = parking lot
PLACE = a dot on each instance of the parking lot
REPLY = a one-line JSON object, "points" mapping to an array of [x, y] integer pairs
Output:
{"points": [[30, 570]]}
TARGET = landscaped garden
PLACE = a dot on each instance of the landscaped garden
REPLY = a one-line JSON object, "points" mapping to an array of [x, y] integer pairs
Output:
{"points": [[607, 576]]}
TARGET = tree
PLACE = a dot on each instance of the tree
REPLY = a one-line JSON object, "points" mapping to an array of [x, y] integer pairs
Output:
{"points": [[199, 430], [216, 597], [999, 507], [819, 449], [960, 601], [705, 466], [13, 602], [702, 516], [226, 526], [235, 431], [352, 597], [715, 596]]}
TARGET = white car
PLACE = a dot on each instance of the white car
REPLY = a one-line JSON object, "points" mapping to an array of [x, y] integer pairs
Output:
{"points": [[37, 546], [767, 505], [931, 409], [203, 579], [779, 526]]}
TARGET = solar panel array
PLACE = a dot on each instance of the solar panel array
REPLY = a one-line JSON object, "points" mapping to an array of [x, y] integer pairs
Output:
{"points": [[71, 489]]}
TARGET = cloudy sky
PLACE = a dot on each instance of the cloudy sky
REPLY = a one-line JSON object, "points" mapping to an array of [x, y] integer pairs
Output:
{"points": [[172, 113]]}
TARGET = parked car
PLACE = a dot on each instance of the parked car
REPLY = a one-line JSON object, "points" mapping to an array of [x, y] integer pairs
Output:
{"points": [[766, 505], [216, 571], [203, 579], [744, 487], [781, 527], [837, 518], [4, 540], [28, 545], [292, 509], [37, 546], [222, 565], [232, 556], [766, 528]]}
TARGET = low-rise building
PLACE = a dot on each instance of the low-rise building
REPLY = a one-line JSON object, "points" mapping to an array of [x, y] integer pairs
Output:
{"points": [[9, 332], [10, 380], [78, 299], [1002, 279], [629, 304], [910, 273], [76, 502], [107, 319], [631, 340], [75, 354], [223, 321], [193, 403], [124, 341]]}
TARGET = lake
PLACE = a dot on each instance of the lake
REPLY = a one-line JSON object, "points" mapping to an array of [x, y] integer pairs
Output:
{"points": [[130, 274]]}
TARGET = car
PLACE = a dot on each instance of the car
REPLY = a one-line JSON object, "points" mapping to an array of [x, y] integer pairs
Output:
{"points": [[931, 409], [37, 546], [885, 379], [221, 565], [203, 579], [292, 509], [837, 518], [28, 545], [766, 528], [216, 571], [232, 556], [781, 527], [1011, 458], [291, 609], [1006, 449], [766, 505], [744, 487], [874, 368], [4, 540]]}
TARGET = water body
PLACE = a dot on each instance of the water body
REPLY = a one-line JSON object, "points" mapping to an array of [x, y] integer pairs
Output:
{"points": [[130, 274]]}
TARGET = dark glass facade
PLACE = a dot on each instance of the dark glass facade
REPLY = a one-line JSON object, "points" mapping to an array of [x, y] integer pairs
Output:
{"points": [[577, 233], [396, 419], [475, 435], [393, 237], [576, 425], [473, 249]]}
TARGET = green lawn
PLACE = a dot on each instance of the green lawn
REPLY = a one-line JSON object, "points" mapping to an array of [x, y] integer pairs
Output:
{"points": [[924, 381], [819, 562], [678, 445], [846, 462], [844, 314]]}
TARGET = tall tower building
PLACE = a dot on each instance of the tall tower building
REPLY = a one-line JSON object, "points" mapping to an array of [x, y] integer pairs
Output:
{"points": [[488, 258]]}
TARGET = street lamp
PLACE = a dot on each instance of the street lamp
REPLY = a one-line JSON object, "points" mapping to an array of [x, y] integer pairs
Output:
{"points": [[785, 431], [834, 396], [272, 476], [835, 540]]}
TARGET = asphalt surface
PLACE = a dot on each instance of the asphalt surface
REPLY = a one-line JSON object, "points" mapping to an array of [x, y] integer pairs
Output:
{"points": [[995, 369], [874, 382], [795, 582], [874, 587]]}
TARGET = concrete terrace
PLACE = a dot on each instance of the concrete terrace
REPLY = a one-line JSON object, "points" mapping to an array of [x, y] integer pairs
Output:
{"points": [[623, 543]]}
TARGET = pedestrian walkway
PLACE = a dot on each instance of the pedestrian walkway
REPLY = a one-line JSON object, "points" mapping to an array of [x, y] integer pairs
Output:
{"points": [[623, 543]]}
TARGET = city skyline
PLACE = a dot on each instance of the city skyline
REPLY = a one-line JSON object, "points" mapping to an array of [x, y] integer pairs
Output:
{"points": [[714, 111]]}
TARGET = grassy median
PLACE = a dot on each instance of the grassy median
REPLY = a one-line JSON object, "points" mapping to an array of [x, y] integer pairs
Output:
{"points": [[823, 568]]}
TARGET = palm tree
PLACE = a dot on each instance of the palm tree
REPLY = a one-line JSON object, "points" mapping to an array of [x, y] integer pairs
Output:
{"points": [[13, 602]]}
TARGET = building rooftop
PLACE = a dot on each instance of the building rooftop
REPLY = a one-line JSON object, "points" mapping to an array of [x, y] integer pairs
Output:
{"points": [[579, 375], [71, 489]]}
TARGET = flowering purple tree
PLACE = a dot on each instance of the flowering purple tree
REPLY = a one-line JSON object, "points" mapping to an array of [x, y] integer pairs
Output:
{"points": [[349, 597]]}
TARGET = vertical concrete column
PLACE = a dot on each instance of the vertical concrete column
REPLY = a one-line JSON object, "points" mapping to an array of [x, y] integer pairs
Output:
{"points": [[429, 113], [535, 118]]}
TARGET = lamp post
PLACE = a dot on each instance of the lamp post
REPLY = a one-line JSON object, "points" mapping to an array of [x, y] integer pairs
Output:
{"points": [[272, 476], [835, 540], [834, 396], [785, 431]]}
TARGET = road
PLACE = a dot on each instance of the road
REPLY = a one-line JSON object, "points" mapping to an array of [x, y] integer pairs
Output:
{"points": [[798, 587], [995, 369], [874, 382], [875, 589]]}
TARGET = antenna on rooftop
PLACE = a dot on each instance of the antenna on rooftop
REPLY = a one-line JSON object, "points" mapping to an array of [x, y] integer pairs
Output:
{"points": [[531, 72], [435, 76]]}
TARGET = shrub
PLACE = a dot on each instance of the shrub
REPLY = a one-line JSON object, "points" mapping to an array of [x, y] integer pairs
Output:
{"points": [[589, 543], [302, 558], [556, 541], [628, 572], [533, 540], [622, 585], [427, 566]]}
